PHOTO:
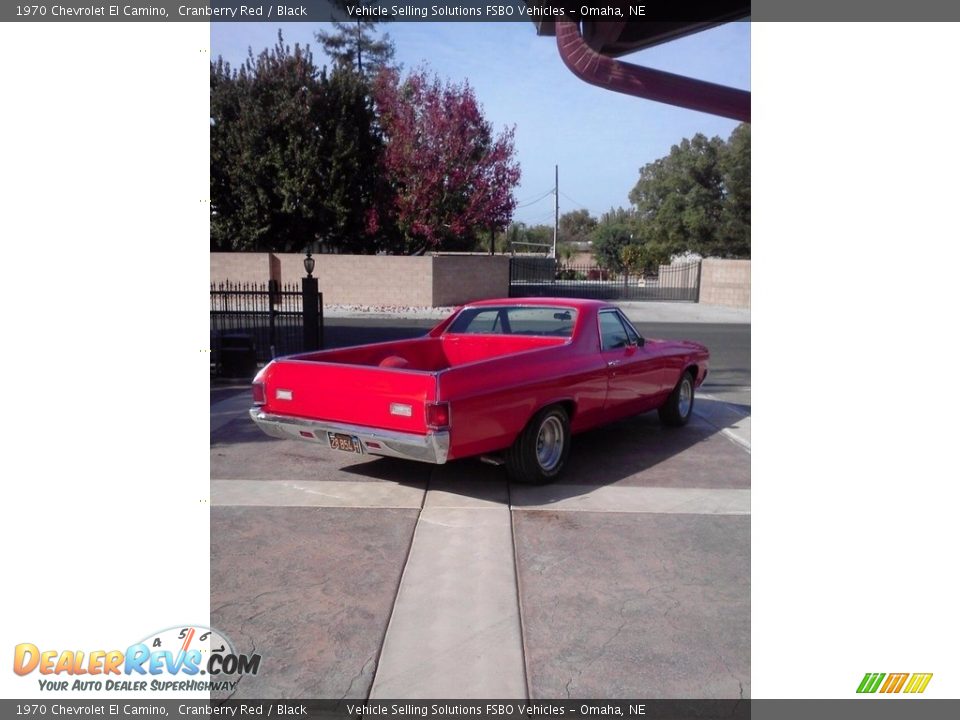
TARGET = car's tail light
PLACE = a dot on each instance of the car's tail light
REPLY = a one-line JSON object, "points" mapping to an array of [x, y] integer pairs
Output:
{"points": [[259, 394], [259, 387], [438, 415]]}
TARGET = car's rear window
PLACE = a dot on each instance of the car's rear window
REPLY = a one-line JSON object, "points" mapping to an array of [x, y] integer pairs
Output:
{"points": [[515, 320]]}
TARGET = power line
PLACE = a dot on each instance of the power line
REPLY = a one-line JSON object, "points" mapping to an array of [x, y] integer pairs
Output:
{"points": [[544, 219], [534, 202], [535, 195], [580, 206]]}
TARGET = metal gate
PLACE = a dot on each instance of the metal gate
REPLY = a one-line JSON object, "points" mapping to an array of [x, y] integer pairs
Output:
{"points": [[545, 277], [254, 322]]}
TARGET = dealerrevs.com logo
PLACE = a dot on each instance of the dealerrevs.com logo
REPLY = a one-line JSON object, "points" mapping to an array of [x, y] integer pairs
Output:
{"points": [[183, 658], [894, 682]]}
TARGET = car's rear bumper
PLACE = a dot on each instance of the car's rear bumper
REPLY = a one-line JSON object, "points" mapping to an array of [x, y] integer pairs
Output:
{"points": [[432, 447]]}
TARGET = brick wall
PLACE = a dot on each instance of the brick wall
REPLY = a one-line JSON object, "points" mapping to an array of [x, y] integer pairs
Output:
{"points": [[459, 279], [375, 280], [241, 267], [725, 282], [428, 281]]}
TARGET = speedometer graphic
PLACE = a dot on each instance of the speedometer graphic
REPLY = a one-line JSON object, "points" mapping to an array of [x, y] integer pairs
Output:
{"points": [[198, 648]]}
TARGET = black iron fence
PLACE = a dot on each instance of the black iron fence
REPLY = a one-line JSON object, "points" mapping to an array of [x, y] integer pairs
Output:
{"points": [[545, 277], [252, 323]]}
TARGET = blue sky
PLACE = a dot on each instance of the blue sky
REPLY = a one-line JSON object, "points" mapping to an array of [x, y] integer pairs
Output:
{"points": [[600, 139]]}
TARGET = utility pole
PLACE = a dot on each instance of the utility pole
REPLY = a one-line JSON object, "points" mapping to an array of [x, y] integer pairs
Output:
{"points": [[556, 207]]}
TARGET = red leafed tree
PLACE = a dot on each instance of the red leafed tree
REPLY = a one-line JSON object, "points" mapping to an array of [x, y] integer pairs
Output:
{"points": [[452, 179]]}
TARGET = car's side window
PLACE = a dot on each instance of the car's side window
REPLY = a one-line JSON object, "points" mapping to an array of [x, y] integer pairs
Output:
{"points": [[547, 321], [612, 332], [484, 321], [632, 334]]}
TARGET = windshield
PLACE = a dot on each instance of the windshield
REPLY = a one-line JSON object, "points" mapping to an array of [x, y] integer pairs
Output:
{"points": [[515, 320]]}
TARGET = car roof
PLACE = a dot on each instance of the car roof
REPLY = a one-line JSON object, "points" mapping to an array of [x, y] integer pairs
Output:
{"points": [[579, 303]]}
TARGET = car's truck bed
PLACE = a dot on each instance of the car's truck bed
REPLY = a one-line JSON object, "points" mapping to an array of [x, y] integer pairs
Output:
{"points": [[431, 354], [371, 391]]}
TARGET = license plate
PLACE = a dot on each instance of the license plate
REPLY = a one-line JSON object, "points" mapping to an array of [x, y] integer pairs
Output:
{"points": [[347, 443]]}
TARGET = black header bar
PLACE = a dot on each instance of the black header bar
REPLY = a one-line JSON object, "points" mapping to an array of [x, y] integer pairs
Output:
{"points": [[315, 11]]}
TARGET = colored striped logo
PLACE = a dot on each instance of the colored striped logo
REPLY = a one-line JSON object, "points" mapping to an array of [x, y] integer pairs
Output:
{"points": [[894, 682]]}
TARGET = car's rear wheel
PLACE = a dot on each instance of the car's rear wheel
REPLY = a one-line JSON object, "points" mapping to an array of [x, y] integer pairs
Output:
{"points": [[541, 450], [678, 408]]}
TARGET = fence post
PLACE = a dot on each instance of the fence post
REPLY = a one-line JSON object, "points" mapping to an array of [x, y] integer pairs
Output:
{"points": [[312, 316], [273, 299], [320, 318]]}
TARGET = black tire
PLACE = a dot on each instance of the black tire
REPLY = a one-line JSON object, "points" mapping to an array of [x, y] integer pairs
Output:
{"points": [[528, 461], [678, 408]]}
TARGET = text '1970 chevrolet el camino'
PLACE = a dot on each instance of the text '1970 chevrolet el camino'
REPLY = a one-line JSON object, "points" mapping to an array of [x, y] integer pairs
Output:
{"points": [[510, 379]]}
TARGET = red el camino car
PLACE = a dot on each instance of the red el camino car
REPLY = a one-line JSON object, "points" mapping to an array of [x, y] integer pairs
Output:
{"points": [[508, 379]]}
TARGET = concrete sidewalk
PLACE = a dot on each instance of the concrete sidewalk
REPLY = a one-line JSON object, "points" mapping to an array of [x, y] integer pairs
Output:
{"points": [[676, 312], [679, 312]]}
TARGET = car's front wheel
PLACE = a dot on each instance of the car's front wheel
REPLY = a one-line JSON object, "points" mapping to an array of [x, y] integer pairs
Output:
{"points": [[539, 453], [677, 409]]}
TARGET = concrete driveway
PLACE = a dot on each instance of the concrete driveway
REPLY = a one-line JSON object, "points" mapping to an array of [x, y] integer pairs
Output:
{"points": [[360, 577]]}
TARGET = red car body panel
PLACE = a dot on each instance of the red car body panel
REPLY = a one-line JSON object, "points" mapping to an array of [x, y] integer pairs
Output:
{"points": [[494, 383]]}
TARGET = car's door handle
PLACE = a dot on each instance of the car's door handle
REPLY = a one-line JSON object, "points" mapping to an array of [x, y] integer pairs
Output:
{"points": [[613, 363]]}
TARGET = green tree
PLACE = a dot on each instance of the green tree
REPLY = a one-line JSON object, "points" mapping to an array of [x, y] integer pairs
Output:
{"points": [[638, 259], [356, 192], [697, 198], [293, 156], [576, 226], [679, 198], [539, 234], [511, 234], [735, 219], [354, 45], [226, 146], [519, 232], [615, 231], [265, 152]]}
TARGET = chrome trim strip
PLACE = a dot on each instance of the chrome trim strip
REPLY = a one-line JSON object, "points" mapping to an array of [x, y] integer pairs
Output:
{"points": [[431, 448]]}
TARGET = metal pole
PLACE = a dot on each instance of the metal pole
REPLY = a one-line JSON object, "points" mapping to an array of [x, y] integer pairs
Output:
{"points": [[556, 207], [273, 299], [610, 74], [311, 314], [699, 276]]}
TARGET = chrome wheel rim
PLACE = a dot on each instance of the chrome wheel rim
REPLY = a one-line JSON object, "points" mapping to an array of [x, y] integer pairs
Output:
{"points": [[550, 444], [686, 397]]}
